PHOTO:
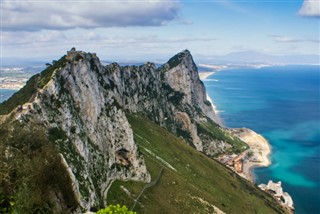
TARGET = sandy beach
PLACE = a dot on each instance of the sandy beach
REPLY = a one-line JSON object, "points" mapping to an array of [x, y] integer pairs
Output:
{"points": [[205, 75], [260, 151]]}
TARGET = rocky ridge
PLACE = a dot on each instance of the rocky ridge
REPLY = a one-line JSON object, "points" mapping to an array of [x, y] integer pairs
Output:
{"points": [[83, 105]]}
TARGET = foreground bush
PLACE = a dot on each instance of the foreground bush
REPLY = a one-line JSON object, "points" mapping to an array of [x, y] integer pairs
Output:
{"points": [[115, 209], [33, 178]]}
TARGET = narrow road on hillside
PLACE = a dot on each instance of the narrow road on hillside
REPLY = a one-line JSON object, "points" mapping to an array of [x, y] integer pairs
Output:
{"points": [[151, 184]]}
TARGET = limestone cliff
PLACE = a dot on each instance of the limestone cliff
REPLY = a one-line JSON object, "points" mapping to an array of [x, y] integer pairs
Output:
{"points": [[82, 104], [173, 95], [93, 133]]}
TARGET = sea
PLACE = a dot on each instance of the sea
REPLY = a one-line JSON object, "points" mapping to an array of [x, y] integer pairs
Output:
{"points": [[6, 94], [283, 104]]}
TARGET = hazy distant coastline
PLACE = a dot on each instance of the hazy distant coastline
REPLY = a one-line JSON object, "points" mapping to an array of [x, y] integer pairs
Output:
{"points": [[11, 83]]}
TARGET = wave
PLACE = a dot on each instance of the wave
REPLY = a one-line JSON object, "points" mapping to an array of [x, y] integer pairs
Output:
{"points": [[213, 80], [240, 89]]}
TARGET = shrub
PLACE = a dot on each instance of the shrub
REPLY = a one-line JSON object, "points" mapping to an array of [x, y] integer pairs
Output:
{"points": [[31, 169], [115, 209], [250, 154], [6, 203], [207, 102]]}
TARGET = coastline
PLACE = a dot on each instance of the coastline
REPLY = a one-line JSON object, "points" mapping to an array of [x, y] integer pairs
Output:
{"points": [[260, 149], [12, 84], [203, 76]]}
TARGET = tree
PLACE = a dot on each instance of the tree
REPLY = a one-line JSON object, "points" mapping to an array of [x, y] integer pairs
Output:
{"points": [[250, 154]]}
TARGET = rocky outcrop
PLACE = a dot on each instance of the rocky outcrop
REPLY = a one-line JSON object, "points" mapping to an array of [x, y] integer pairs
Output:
{"points": [[83, 107], [90, 130], [172, 96]]}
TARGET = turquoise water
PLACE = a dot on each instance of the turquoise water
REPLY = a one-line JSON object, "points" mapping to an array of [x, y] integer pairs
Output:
{"points": [[283, 104]]}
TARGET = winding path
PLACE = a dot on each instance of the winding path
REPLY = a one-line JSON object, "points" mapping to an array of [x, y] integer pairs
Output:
{"points": [[147, 186]]}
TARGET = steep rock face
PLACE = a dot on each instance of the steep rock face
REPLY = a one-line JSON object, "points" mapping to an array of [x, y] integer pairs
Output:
{"points": [[171, 95], [83, 106], [92, 133], [184, 78]]}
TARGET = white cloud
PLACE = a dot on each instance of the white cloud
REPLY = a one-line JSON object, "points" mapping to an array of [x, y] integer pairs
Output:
{"points": [[310, 8], [116, 43], [285, 39], [79, 36], [56, 15]]}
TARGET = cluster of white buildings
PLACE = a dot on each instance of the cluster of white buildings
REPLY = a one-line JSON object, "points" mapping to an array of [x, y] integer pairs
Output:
{"points": [[276, 190]]}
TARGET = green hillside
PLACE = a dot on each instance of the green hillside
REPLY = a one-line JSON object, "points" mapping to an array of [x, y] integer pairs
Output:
{"points": [[185, 180]]}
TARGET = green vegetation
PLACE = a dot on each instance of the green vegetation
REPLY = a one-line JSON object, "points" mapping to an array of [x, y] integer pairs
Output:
{"points": [[190, 182], [6, 203], [174, 96], [250, 154], [214, 131], [26, 94], [207, 102], [32, 176], [46, 74], [115, 209], [176, 60]]}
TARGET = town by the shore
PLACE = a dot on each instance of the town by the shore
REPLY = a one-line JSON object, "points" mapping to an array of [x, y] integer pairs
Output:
{"points": [[12, 84], [257, 155]]}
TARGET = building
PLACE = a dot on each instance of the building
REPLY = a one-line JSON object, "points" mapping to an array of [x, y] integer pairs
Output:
{"points": [[74, 55], [275, 189], [287, 200]]}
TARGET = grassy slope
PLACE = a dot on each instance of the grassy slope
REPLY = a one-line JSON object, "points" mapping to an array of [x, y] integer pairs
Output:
{"points": [[197, 183]]}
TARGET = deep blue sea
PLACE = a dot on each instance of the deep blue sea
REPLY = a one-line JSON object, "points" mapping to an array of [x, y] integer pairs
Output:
{"points": [[283, 104]]}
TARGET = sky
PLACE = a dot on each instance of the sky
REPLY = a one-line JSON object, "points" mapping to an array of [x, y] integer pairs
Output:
{"points": [[146, 30]]}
